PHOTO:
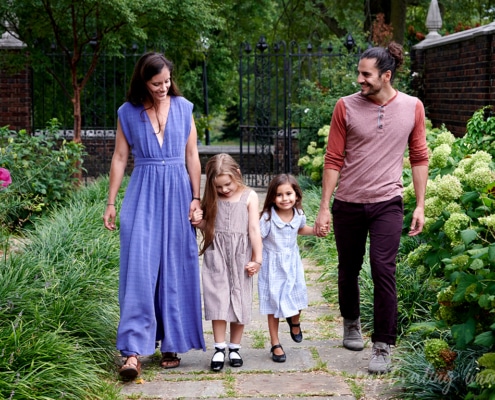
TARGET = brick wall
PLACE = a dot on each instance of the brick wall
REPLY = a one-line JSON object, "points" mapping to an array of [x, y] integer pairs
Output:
{"points": [[454, 76], [15, 100]]}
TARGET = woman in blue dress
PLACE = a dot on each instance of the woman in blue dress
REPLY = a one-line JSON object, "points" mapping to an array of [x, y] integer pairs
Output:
{"points": [[159, 288], [281, 284]]}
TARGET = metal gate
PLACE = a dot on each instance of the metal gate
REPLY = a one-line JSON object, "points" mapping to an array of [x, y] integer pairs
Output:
{"points": [[270, 78]]}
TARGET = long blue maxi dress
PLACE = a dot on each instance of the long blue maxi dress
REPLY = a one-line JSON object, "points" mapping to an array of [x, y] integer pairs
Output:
{"points": [[159, 288]]}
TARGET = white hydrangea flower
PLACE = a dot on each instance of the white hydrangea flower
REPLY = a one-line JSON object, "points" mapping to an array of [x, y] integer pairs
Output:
{"points": [[445, 137], [455, 224], [479, 178], [318, 161], [323, 131], [428, 223], [431, 189], [448, 187], [453, 207], [481, 156], [433, 207], [488, 221], [409, 194], [315, 176], [440, 156], [303, 161]]}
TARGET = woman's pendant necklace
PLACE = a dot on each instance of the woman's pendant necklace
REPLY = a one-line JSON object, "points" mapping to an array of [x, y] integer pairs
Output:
{"points": [[162, 117]]}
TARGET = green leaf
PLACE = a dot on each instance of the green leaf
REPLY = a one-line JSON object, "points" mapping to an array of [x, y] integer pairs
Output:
{"points": [[485, 339], [485, 301], [464, 333], [487, 202], [491, 252], [478, 252], [469, 197], [464, 281], [436, 225], [468, 235], [477, 264]]}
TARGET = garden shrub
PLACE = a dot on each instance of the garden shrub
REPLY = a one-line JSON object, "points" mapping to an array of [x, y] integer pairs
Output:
{"points": [[458, 241], [43, 169]]}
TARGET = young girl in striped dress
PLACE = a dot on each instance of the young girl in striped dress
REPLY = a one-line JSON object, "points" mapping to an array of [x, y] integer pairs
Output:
{"points": [[231, 247]]}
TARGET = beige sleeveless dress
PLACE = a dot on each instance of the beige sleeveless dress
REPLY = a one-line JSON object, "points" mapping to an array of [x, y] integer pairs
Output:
{"points": [[227, 288]]}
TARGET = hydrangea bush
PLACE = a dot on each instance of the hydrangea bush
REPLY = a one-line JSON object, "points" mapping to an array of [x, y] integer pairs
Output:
{"points": [[458, 242], [312, 162]]}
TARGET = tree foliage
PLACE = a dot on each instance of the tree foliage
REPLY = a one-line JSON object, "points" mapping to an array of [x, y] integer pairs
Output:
{"points": [[78, 26]]}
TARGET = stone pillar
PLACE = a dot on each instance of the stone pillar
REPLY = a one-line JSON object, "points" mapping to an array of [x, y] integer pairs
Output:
{"points": [[15, 89]]}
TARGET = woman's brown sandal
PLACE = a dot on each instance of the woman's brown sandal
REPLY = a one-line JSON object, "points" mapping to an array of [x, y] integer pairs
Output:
{"points": [[130, 369], [169, 360]]}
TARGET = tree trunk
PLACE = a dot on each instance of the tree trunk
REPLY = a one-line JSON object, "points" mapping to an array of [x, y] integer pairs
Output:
{"points": [[398, 20], [76, 100]]}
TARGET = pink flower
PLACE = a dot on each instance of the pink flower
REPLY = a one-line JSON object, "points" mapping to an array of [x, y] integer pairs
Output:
{"points": [[5, 179]]}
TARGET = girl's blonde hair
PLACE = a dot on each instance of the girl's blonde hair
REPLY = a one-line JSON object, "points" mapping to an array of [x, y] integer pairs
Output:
{"points": [[271, 194], [220, 164]]}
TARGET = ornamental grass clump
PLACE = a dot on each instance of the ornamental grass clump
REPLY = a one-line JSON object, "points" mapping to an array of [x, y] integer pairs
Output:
{"points": [[59, 311]]}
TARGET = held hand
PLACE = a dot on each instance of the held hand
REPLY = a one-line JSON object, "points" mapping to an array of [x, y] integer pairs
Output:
{"points": [[322, 224], [109, 218], [196, 216], [252, 268], [324, 230]]}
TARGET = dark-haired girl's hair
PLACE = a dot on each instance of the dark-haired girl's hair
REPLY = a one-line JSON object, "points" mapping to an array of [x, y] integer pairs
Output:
{"points": [[271, 193]]}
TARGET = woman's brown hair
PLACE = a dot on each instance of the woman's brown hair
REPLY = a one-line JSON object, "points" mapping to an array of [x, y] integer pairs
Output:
{"points": [[149, 65]]}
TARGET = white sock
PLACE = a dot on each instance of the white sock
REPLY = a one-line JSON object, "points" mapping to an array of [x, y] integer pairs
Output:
{"points": [[234, 355], [219, 356]]}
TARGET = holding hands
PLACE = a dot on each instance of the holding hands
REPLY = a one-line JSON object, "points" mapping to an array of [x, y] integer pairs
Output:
{"points": [[322, 224], [196, 216], [252, 267]]}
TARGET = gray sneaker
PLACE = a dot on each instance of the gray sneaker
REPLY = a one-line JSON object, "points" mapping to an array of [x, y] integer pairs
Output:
{"points": [[353, 340], [380, 362]]}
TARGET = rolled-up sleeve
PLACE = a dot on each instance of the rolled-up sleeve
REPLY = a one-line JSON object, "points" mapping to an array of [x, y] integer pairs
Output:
{"points": [[418, 149], [334, 156]]}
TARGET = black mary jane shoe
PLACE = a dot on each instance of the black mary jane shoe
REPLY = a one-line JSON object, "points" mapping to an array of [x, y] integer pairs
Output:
{"points": [[278, 358], [298, 337], [235, 362], [217, 365]]}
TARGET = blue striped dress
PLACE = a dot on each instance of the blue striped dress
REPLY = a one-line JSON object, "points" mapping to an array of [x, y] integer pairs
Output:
{"points": [[281, 283], [159, 287]]}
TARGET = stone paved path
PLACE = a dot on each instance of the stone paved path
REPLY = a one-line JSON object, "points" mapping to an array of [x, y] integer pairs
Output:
{"points": [[317, 368]]}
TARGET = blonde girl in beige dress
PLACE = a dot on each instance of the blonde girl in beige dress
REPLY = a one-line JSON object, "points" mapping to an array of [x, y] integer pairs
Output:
{"points": [[232, 250]]}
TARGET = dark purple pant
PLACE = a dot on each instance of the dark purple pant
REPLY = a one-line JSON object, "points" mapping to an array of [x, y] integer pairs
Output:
{"points": [[351, 224]]}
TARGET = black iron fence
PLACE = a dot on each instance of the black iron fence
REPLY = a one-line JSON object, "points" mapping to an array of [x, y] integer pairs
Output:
{"points": [[102, 95], [270, 78], [270, 81]]}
